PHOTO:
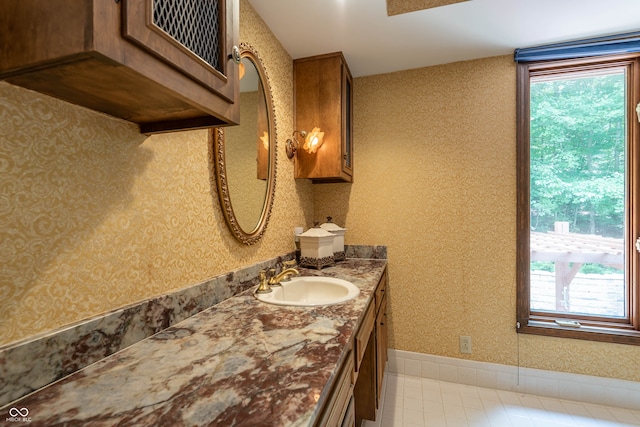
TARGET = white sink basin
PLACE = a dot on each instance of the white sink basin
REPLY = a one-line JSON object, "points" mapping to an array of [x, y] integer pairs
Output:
{"points": [[311, 291]]}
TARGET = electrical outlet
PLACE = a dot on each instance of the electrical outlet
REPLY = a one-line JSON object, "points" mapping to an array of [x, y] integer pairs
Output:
{"points": [[465, 344]]}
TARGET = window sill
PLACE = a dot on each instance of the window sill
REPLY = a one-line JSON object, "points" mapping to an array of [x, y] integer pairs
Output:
{"points": [[590, 333]]}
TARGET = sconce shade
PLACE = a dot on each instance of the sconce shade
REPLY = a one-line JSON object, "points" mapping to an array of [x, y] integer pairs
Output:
{"points": [[265, 140], [313, 141], [241, 70]]}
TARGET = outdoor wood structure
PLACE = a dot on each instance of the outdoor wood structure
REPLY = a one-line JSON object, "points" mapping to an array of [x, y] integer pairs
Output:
{"points": [[569, 251]]}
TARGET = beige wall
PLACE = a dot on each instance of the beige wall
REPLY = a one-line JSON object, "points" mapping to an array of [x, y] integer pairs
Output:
{"points": [[94, 215], [435, 181]]}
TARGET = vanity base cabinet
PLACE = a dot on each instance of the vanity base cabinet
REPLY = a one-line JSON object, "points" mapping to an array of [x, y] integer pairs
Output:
{"points": [[119, 57], [371, 355]]}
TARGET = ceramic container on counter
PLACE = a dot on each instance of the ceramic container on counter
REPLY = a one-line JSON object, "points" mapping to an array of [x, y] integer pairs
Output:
{"points": [[316, 248], [338, 241]]}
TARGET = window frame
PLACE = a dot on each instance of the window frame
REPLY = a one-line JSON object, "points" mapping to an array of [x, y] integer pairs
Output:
{"points": [[626, 331]]}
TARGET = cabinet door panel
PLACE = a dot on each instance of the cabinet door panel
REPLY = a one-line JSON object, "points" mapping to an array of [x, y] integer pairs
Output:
{"points": [[189, 35], [364, 391], [381, 347]]}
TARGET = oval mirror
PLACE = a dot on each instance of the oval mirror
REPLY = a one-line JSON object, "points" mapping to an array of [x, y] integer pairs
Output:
{"points": [[244, 156]]}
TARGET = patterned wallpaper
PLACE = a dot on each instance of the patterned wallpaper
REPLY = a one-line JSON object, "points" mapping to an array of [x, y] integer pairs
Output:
{"points": [[94, 215], [434, 180]]}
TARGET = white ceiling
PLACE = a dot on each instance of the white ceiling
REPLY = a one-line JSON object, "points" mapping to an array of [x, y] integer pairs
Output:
{"points": [[374, 43]]}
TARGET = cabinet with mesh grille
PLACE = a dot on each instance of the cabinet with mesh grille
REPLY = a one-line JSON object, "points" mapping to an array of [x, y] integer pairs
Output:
{"points": [[164, 64]]}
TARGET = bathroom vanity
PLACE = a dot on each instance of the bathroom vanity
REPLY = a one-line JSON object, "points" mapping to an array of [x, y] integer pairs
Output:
{"points": [[241, 362]]}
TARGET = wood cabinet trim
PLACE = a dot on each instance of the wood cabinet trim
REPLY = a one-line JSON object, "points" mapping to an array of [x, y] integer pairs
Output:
{"points": [[336, 409]]}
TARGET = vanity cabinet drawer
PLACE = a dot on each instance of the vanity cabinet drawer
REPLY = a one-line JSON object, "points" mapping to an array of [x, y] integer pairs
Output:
{"points": [[362, 337], [337, 408], [381, 290]]}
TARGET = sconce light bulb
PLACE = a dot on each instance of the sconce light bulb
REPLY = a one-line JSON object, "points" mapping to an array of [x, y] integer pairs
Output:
{"points": [[313, 141]]}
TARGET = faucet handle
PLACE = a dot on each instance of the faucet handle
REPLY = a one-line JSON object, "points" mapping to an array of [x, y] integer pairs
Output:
{"points": [[263, 287]]}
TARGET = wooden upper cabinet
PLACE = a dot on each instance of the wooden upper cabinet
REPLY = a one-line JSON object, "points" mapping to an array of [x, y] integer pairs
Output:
{"points": [[163, 64], [323, 98]]}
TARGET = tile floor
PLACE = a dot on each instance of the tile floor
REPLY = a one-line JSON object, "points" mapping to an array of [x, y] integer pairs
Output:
{"points": [[412, 402]]}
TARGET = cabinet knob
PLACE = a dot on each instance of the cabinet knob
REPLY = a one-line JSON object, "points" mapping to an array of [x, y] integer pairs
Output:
{"points": [[235, 55]]}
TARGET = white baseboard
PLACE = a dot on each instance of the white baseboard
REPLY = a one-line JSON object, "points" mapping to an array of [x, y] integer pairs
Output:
{"points": [[582, 388]]}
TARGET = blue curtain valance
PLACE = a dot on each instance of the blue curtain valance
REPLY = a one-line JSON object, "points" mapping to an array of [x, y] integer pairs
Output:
{"points": [[607, 45]]}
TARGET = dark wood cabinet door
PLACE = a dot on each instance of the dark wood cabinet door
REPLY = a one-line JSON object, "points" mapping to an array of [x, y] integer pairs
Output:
{"points": [[189, 35]]}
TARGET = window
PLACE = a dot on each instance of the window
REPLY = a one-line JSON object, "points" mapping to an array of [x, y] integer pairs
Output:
{"points": [[579, 198]]}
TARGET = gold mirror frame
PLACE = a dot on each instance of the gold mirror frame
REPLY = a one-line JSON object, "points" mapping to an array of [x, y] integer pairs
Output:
{"points": [[217, 141]]}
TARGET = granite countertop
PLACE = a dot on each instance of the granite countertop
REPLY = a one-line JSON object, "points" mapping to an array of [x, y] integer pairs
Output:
{"points": [[239, 363]]}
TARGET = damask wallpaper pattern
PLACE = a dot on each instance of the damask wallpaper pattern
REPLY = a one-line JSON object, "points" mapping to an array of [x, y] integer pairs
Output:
{"points": [[434, 180], [94, 215]]}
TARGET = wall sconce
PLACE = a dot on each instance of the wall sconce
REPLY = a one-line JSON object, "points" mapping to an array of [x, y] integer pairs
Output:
{"points": [[312, 141]]}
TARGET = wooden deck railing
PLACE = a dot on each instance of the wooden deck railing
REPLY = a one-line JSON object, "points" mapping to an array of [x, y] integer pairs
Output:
{"points": [[569, 251]]}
